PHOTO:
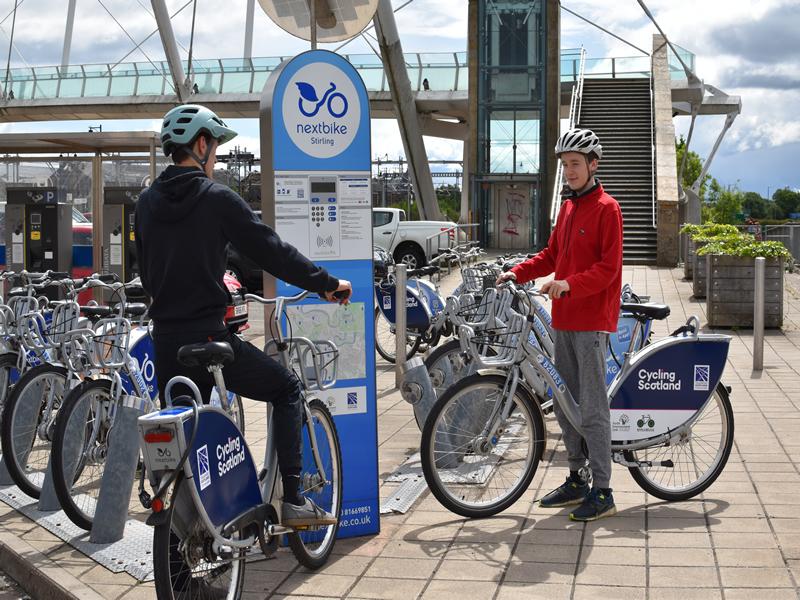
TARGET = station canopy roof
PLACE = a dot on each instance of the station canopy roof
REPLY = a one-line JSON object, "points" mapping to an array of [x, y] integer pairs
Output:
{"points": [[78, 142]]}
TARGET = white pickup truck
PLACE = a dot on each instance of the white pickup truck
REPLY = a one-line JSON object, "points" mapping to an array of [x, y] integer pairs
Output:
{"points": [[407, 241]]}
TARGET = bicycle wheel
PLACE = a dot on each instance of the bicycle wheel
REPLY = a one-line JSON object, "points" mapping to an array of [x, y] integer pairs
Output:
{"points": [[80, 447], [8, 370], [313, 547], [446, 365], [698, 458], [184, 562], [385, 340], [472, 475], [27, 425]]}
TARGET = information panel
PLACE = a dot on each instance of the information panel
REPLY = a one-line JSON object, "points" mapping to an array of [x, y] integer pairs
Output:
{"points": [[316, 112]]}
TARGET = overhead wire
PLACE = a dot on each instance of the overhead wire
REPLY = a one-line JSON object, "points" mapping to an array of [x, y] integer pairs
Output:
{"points": [[130, 37]]}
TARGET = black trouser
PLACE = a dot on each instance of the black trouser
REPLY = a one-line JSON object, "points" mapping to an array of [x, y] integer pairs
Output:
{"points": [[252, 374]]}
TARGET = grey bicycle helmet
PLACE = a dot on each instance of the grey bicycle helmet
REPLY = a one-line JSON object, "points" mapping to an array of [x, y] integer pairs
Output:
{"points": [[584, 141], [184, 123]]}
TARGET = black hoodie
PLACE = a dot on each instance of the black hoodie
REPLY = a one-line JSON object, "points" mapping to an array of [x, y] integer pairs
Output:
{"points": [[183, 223]]}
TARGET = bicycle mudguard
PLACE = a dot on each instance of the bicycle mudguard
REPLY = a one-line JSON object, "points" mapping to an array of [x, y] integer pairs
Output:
{"points": [[223, 472], [418, 311], [619, 341], [665, 385], [428, 290], [141, 349]]}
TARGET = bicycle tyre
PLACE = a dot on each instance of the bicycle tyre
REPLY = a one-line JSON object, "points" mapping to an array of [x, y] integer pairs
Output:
{"points": [[16, 450], [8, 364], [175, 579], [389, 354], [80, 513], [478, 385], [330, 497], [645, 479]]}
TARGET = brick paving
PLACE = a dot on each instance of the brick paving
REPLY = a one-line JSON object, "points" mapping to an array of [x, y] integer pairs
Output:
{"points": [[740, 539]]}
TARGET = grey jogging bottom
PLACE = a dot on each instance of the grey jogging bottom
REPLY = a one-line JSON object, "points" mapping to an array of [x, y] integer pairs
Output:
{"points": [[580, 358]]}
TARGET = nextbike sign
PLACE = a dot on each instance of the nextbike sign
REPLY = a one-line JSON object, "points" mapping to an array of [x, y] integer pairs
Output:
{"points": [[324, 115], [322, 122], [316, 193]]}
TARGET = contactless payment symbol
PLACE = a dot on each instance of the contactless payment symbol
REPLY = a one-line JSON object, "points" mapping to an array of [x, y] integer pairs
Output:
{"points": [[702, 375], [203, 470]]}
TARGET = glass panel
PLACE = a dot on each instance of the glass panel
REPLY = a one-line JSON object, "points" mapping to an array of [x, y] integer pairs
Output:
{"points": [[260, 79], [527, 159], [237, 83], [96, 86], [266, 63], [122, 86], [372, 76], [208, 83], [46, 88], [235, 65], [71, 87], [501, 151], [151, 85]]}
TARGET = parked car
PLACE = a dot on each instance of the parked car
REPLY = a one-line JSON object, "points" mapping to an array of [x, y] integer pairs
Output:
{"points": [[407, 241]]}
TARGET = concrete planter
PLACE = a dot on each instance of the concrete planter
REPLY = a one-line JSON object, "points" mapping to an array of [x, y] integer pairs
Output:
{"points": [[698, 270], [731, 289]]}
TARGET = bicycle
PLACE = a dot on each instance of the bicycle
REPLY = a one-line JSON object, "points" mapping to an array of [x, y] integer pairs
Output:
{"points": [[485, 436], [210, 512], [309, 94], [115, 365]]}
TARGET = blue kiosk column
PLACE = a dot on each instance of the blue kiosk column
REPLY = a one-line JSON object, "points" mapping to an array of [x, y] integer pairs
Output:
{"points": [[316, 193]]}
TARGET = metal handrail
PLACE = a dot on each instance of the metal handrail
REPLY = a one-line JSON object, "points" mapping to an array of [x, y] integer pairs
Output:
{"points": [[652, 144], [575, 105], [452, 240]]}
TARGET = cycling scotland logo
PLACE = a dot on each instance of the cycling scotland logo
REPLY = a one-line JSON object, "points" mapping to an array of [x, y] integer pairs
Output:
{"points": [[321, 110]]}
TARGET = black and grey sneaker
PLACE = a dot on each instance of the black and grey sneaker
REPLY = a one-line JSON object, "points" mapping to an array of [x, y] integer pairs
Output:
{"points": [[598, 504], [571, 492], [306, 515]]}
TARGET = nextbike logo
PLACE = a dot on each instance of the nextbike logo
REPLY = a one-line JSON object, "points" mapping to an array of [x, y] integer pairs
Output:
{"points": [[321, 110]]}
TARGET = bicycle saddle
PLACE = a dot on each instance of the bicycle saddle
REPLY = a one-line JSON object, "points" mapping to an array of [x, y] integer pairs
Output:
{"points": [[96, 311], [205, 353], [649, 310]]}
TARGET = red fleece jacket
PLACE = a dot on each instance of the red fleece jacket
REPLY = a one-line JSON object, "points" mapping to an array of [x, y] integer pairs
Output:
{"points": [[585, 248]]}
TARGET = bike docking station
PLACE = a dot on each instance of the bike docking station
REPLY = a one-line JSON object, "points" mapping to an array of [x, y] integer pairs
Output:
{"points": [[316, 193]]}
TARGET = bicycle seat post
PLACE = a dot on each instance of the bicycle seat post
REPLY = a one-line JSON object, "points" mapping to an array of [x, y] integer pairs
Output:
{"points": [[219, 381]]}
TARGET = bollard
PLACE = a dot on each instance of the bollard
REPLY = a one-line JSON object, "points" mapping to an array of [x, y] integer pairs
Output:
{"points": [[417, 388], [73, 444], [399, 322], [120, 471], [758, 315]]}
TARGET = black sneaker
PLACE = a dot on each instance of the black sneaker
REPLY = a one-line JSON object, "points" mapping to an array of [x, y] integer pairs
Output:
{"points": [[572, 491], [598, 504]]}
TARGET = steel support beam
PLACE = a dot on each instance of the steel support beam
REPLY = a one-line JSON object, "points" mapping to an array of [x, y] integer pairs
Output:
{"points": [[171, 49], [406, 109], [68, 34], [248, 29]]}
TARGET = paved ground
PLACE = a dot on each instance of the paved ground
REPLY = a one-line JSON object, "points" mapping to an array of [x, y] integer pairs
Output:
{"points": [[740, 539]]}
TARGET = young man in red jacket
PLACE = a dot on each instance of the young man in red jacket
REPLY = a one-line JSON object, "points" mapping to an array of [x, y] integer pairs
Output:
{"points": [[585, 251]]}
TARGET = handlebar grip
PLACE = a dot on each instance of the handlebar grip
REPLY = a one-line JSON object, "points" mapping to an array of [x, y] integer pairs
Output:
{"points": [[108, 277], [58, 275]]}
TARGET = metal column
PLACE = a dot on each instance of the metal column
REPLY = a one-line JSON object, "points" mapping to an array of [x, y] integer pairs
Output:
{"points": [[758, 315], [170, 49], [406, 109], [97, 218], [68, 34], [248, 29]]}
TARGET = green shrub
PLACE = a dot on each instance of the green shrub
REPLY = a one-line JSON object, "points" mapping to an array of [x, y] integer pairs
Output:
{"points": [[723, 237], [708, 230], [746, 247]]}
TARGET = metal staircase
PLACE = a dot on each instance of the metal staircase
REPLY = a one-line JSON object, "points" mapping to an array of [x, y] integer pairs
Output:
{"points": [[619, 111]]}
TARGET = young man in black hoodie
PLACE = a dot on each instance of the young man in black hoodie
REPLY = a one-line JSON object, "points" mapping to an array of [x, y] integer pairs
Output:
{"points": [[184, 221]]}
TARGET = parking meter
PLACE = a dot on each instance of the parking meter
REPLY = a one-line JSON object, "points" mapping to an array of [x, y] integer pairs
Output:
{"points": [[119, 240], [38, 230]]}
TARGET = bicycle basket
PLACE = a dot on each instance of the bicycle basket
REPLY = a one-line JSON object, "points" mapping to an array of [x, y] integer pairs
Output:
{"points": [[315, 362], [480, 277], [109, 347], [496, 346]]}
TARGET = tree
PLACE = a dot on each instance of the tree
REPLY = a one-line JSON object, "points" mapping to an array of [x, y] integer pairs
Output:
{"points": [[727, 206], [788, 201], [754, 205], [693, 168]]}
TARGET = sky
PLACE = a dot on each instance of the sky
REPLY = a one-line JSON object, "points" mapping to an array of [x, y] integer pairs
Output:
{"points": [[745, 48]]}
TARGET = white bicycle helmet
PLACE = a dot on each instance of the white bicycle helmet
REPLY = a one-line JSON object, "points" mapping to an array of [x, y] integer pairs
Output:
{"points": [[584, 141]]}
